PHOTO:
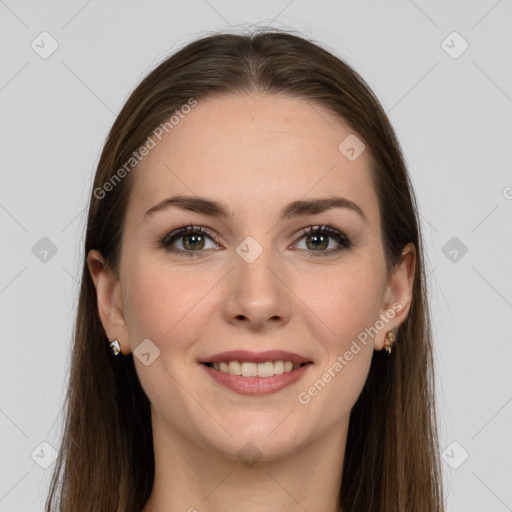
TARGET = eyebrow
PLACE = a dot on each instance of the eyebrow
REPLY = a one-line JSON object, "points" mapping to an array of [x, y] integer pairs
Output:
{"points": [[294, 209]]}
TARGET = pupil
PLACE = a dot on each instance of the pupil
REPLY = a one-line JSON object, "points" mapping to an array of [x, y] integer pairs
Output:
{"points": [[324, 238], [194, 237]]}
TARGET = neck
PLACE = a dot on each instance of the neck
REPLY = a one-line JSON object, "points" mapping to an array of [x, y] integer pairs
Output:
{"points": [[188, 478]]}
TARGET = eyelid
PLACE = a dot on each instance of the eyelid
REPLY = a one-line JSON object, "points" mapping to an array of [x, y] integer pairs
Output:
{"points": [[185, 229], [343, 240]]}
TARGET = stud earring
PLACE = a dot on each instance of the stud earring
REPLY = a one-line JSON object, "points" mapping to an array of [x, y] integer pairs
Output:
{"points": [[391, 337], [114, 345]]}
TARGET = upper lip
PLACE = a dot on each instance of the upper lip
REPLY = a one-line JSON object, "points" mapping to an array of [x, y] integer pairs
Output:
{"points": [[256, 357]]}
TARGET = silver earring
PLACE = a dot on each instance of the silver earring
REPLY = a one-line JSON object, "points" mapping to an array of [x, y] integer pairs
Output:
{"points": [[114, 345]]}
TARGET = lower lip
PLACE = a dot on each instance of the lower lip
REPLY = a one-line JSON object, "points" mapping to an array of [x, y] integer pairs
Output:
{"points": [[256, 386]]}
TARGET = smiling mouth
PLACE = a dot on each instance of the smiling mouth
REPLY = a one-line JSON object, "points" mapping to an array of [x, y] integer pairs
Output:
{"points": [[250, 369]]}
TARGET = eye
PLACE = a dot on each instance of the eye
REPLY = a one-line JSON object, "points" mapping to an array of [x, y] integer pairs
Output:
{"points": [[192, 240], [318, 238]]}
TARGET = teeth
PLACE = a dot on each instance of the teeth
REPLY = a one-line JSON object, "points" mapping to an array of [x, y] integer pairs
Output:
{"points": [[235, 368], [247, 369], [265, 369], [278, 367]]}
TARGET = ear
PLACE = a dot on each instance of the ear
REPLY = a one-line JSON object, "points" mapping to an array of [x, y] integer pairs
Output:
{"points": [[398, 294], [109, 299]]}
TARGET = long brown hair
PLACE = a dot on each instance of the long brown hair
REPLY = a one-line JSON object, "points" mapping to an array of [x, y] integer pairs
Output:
{"points": [[106, 460]]}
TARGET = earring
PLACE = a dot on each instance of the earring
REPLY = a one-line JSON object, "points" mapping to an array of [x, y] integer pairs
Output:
{"points": [[391, 337], [114, 345]]}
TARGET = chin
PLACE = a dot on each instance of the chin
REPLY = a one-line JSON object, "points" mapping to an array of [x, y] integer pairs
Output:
{"points": [[263, 440]]}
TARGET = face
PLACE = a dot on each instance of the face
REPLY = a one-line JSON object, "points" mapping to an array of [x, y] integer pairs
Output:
{"points": [[253, 279]]}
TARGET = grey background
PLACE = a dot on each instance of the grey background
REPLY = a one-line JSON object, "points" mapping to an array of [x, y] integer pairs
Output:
{"points": [[453, 119]]}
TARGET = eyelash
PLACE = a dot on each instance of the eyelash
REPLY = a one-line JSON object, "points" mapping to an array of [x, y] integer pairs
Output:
{"points": [[344, 242]]}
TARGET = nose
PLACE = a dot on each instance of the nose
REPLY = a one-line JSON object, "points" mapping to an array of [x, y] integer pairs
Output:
{"points": [[257, 293]]}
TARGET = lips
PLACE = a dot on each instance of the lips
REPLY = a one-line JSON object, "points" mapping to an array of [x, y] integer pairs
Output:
{"points": [[250, 384]]}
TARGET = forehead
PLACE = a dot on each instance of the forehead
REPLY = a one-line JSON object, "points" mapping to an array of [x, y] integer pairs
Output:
{"points": [[255, 153]]}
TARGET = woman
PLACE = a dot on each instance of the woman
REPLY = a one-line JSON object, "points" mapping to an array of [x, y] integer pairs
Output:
{"points": [[253, 329]]}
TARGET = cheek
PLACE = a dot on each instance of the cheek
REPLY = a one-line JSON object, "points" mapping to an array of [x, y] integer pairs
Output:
{"points": [[162, 301], [347, 299], [151, 301], [347, 302]]}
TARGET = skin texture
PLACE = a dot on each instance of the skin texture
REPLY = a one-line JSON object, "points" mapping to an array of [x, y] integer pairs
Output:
{"points": [[255, 154]]}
